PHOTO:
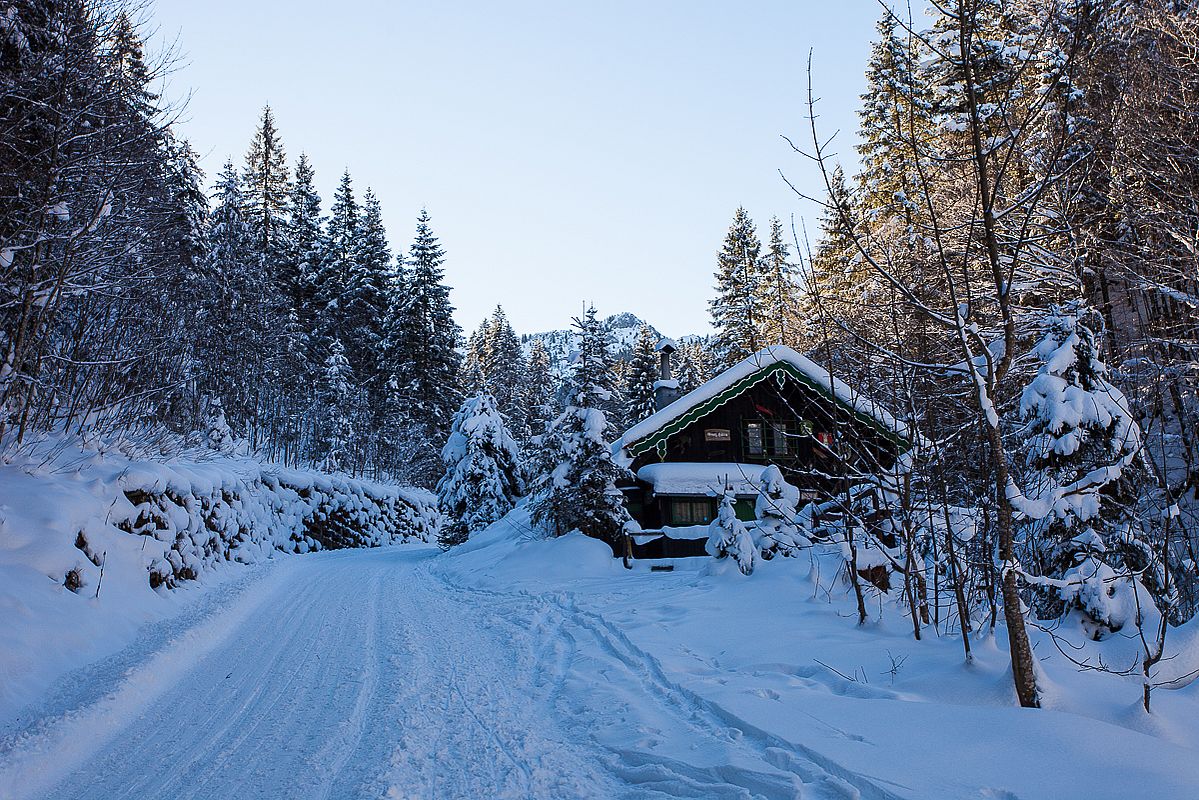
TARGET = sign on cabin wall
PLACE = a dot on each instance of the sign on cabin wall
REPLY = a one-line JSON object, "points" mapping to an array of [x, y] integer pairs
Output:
{"points": [[718, 435]]}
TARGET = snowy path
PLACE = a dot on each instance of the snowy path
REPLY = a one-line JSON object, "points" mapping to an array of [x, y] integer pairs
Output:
{"points": [[363, 674]]}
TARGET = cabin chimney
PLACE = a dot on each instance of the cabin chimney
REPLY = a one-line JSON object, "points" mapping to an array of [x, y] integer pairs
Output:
{"points": [[666, 388]]}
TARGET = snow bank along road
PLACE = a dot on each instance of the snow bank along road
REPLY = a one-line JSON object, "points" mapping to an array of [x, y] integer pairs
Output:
{"points": [[365, 674]]}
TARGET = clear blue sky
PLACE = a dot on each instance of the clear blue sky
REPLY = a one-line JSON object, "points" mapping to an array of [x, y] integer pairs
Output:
{"points": [[567, 151]]}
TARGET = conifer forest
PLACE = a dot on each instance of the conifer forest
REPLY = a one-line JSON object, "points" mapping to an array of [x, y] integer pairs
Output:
{"points": [[910, 510]]}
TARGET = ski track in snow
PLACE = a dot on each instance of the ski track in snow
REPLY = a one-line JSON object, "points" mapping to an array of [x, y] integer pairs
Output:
{"points": [[367, 674]]}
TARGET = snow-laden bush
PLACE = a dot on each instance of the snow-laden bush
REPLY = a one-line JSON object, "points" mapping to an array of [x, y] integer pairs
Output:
{"points": [[783, 529], [728, 536]]}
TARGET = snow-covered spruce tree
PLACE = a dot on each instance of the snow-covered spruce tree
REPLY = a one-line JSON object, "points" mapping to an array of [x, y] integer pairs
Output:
{"points": [[304, 233], [728, 536], [424, 342], [232, 355], [266, 187], [365, 300], [337, 252], [778, 293], [537, 390], [339, 413], [783, 528], [734, 310], [595, 351], [641, 377], [1081, 479], [578, 488], [483, 471], [692, 365], [503, 366]]}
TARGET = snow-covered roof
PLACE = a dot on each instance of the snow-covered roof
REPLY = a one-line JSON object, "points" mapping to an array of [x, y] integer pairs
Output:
{"points": [[701, 478], [764, 361], [670, 345]]}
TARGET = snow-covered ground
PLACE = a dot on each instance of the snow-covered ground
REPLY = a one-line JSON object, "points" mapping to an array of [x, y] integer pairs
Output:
{"points": [[521, 668]]}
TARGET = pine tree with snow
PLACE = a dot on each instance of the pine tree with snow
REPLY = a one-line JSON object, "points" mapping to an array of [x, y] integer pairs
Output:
{"points": [[339, 410], [735, 313], [595, 354], [642, 377], [537, 389], [578, 489], [266, 188], [337, 252], [304, 234], [483, 475], [503, 364], [895, 118], [218, 435], [233, 354], [424, 341], [1082, 476], [476, 356], [364, 303], [783, 527], [778, 293], [728, 536]]}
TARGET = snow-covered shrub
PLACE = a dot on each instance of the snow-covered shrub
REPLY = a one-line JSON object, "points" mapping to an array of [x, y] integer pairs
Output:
{"points": [[782, 527], [483, 471], [218, 435], [728, 536]]}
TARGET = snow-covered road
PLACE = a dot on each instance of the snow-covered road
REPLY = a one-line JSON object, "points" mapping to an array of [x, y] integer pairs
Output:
{"points": [[365, 674]]}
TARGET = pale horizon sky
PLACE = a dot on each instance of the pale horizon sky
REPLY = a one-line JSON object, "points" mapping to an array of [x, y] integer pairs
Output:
{"points": [[567, 152]]}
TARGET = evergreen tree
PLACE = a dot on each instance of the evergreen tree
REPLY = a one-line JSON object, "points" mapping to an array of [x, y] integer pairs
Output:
{"points": [[426, 347], [595, 350], [483, 471], [734, 310], [728, 536], [777, 300], [1083, 478], [337, 253], [688, 366], [579, 490], [365, 297], [642, 377], [538, 389], [895, 122], [304, 236], [266, 189], [339, 401], [503, 365], [232, 358]]}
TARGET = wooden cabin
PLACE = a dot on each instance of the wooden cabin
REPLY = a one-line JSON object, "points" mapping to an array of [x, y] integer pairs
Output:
{"points": [[775, 407]]}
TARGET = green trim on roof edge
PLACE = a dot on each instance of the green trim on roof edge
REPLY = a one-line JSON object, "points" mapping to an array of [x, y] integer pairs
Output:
{"points": [[658, 439]]}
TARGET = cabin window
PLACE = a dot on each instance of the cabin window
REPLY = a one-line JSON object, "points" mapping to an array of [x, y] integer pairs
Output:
{"points": [[686, 511], [753, 439], [775, 438]]}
